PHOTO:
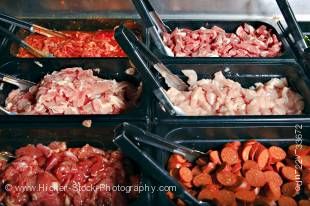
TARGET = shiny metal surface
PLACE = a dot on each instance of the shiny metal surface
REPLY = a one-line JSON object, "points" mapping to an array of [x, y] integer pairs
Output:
{"points": [[185, 9]]}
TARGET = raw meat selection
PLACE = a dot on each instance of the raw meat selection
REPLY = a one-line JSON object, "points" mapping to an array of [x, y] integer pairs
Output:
{"points": [[215, 42], [77, 44], [55, 175], [248, 173], [222, 96], [74, 91]]}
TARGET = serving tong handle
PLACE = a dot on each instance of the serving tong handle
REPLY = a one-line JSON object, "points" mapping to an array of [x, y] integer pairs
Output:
{"points": [[22, 43], [153, 23], [128, 146], [22, 84], [137, 52], [30, 27], [292, 24]]}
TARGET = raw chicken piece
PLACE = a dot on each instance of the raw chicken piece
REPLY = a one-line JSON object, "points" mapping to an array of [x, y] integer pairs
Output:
{"points": [[73, 91], [222, 96]]}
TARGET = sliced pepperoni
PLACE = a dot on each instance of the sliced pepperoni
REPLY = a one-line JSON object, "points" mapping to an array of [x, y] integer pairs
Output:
{"points": [[185, 174], [305, 161], [272, 176], [226, 178], [249, 164], [289, 189], [304, 203], [210, 167], [208, 192], [276, 154], [214, 157], [274, 191], [289, 173], [225, 197], [255, 178], [286, 201], [202, 179], [262, 158], [245, 196], [196, 170], [229, 155], [246, 152]]}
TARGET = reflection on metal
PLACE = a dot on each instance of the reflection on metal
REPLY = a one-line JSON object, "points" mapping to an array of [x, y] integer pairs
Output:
{"points": [[167, 8]]}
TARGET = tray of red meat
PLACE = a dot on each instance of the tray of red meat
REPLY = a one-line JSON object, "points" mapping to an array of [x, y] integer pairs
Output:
{"points": [[66, 166], [220, 39], [265, 165], [85, 39], [103, 88], [240, 91]]}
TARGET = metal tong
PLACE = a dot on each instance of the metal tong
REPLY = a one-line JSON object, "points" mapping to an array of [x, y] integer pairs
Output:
{"points": [[154, 24], [127, 138], [31, 27], [292, 24], [20, 83], [22, 43], [140, 55]]}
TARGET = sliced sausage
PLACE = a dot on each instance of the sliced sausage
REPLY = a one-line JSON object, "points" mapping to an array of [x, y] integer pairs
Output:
{"points": [[235, 145], [249, 164], [210, 167], [196, 170], [289, 189], [241, 184], [289, 173], [255, 178], [305, 161], [276, 154], [225, 197], [202, 179], [245, 196], [304, 203], [286, 201], [246, 152], [226, 178], [201, 161], [279, 166], [272, 176], [298, 150], [273, 191], [214, 157], [208, 192], [185, 174], [229, 155], [262, 158]]}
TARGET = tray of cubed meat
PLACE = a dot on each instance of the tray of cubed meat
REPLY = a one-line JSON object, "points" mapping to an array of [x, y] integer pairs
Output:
{"points": [[231, 39], [98, 89], [84, 39], [234, 171], [56, 166], [238, 91]]}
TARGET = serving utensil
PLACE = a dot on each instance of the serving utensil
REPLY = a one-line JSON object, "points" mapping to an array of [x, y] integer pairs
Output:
{"points": [[141, 57], [126, 136], [34, 28], [154, 24]]}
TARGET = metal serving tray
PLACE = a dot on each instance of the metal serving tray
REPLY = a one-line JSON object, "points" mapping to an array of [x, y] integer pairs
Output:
{"points": [[228, 26], [111, 68], [246, 75], [204, 137]]}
